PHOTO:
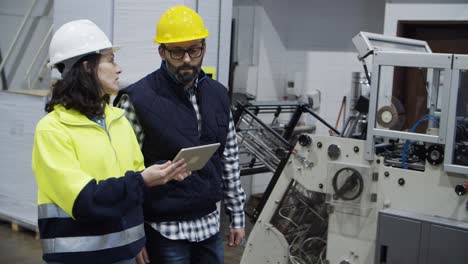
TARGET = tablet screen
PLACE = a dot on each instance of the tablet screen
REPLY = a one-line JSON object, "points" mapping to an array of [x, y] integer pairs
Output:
{"points": [[197, 157]]}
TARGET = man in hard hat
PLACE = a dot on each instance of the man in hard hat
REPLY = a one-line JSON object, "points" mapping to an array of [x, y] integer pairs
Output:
{"points": [[179, 106]]}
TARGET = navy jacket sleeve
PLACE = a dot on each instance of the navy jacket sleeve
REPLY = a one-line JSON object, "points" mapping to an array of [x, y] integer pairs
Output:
{"points": [[109, 199]]}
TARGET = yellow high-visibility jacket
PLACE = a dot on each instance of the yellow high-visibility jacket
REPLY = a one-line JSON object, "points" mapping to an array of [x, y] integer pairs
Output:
{"points": [[90, 190]]}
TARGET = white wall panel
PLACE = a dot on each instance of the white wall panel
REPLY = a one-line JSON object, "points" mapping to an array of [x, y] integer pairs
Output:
{"points": [[18, 191], [134, 28], [244, 34], [271, 60], [224, 54], [329, 72], [100, 12], [209, 11]]}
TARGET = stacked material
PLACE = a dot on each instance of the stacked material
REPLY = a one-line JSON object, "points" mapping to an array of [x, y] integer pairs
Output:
{"points": [[20, 110]]}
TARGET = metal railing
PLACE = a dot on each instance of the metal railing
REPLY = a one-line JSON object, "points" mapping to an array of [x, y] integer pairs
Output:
{"points": [[18, 33], [36, 57], [2, 75], [30, 71]]}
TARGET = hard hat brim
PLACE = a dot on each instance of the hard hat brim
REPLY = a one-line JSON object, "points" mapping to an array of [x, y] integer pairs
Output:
{"points": [[161, 40], [103, 51]]}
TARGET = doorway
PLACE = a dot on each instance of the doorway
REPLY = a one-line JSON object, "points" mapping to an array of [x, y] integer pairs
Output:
{"points": [[409, 84]]}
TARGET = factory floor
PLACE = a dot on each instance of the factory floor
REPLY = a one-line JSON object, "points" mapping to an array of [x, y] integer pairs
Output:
{"points": [[21, 247]]}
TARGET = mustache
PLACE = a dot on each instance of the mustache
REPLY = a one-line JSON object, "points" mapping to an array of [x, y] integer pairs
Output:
{"points": [[185, 66]]}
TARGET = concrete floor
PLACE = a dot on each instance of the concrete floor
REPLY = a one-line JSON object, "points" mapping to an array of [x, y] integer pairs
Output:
{"points": [[21, 247]]}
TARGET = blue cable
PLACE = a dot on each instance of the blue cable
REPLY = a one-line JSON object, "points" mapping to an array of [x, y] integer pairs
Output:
{"points": [[407, 142]]}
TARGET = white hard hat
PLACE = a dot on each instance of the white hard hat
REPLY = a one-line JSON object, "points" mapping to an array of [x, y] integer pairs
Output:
{"points": [[76, 39]]}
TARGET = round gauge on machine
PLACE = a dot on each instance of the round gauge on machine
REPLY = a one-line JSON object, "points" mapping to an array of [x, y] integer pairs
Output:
{"points": [[347, 184]]}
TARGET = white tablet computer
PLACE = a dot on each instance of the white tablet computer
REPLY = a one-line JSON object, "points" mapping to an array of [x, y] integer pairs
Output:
{"points": [[197, 157]]}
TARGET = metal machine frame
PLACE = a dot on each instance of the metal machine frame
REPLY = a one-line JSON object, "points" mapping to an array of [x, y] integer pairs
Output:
{"points": [[402, 52], [263, 142], [367, 43], [460, 63], [407, 59]]}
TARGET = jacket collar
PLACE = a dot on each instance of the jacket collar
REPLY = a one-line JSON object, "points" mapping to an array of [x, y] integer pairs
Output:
{"points": [[74, 117]]}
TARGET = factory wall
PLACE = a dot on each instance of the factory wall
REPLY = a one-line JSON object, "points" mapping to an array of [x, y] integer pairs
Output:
{"points": [[309, 42]]}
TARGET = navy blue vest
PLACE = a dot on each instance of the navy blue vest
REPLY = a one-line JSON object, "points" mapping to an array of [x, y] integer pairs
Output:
{"points": [[169, 123]]}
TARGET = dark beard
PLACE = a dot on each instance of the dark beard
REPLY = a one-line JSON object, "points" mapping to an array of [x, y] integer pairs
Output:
{"points": [[186, 77]]}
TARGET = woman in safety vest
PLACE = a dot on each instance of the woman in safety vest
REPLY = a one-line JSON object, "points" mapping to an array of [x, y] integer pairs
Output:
{"points": [[87, 160]]}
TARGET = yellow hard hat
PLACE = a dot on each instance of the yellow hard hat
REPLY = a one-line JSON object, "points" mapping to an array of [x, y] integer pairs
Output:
{"points": [[179, 24]]}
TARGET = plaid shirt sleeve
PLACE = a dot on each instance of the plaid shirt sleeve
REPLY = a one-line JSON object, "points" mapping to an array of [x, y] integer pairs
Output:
{"points": [[125, 104], [234, 195]]}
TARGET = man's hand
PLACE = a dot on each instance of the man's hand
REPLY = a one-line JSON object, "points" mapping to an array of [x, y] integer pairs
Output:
{"points": [[236, 235], [142, 257]]}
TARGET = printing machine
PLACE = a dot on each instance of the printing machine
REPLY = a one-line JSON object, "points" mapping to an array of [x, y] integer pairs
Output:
{"points": [[373, 193]]}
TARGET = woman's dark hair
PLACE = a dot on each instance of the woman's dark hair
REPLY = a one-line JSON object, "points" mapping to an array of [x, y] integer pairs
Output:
{"points": [[80, 88]]}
